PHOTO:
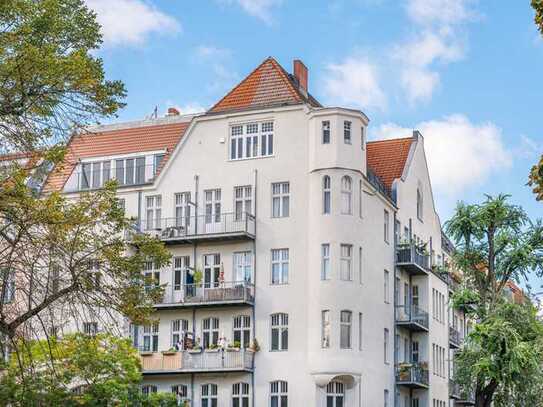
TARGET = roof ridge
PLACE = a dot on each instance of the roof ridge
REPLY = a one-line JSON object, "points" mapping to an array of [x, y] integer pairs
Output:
{"points": [[390, 139], [286, 77]]}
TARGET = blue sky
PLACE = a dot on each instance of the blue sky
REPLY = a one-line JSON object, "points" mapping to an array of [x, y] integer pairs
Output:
{"points": [[464, 72]]}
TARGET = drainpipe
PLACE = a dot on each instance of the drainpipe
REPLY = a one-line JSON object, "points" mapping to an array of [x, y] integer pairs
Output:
{"points": [[396, 346], [254, 285]]}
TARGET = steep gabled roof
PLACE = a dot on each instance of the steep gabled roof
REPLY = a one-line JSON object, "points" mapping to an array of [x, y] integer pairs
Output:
{"points": [[387, 158], [268, 85], [116, 142]]}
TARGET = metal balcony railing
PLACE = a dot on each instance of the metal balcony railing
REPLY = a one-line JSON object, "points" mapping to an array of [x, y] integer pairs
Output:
{"points": [[216, 360], [454, 389], [413, 258], [455, 338], [412, 316], [227, 292], [200, 227], [413, 375]]}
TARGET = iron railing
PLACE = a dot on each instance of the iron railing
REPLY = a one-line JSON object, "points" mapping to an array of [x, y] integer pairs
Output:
{"points": [[454, 389], [198, 360], [414, 373], [200, 225], [455, 336], [378, 184], [202, 293], [409, 253], [412, 314]]}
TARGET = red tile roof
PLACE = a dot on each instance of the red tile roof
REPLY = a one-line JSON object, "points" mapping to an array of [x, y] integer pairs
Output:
{"points": [[115, 142], [387, 158], [268, 85]]}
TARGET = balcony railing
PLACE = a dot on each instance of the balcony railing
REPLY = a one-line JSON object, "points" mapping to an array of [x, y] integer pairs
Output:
{"points": [[414, 375], [207, 294], [455, 339], [454, 390], [194, 361], [233, 225], [412, 317], [412, 258]]}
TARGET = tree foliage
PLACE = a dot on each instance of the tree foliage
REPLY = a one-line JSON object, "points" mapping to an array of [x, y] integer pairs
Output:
{"points": [[51, 81], [536, 173], [77, 370], [497, 243]]}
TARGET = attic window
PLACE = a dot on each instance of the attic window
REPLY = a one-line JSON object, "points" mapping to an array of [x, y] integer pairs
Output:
{"points": [[251, 140]]}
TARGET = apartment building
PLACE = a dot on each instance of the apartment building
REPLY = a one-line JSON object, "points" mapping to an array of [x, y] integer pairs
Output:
{"points": [[309, 265]]}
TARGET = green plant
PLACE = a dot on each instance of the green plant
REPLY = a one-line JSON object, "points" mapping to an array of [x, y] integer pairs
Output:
{"points": [[198, 276]]}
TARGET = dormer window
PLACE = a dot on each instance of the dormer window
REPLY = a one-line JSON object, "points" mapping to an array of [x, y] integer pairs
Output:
{"points": [[251, 140]]}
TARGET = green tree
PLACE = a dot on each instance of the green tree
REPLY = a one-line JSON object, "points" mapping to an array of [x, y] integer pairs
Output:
{"points": [[51, 81], [536, 173], [497, 243], [77, 370]]}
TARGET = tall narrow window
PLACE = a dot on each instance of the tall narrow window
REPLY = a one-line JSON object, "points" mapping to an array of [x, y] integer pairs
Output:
{"points": [[386, 286], [243, 202], [150, 337], [179, 328], [385, 401], [212, 270], [210, 332], [325, 261], [240, 395], [106, 171], [140, 170], [209, 395], [363, 137], [154, 212], [85, 176], [212, 207], [157, 161], [360, 196], [243, 267], [347, 132], [326, 132], [96, 173], [360, 331], [346, 262], [280, 199], [386, 225], [345, 329], [181, 392], [385, 345], [346, 195], [242, 330], [182, 209], [181, 266], [279, 394], [151, 275], [326, 194], [360, 265], [129, 176], [279, 332], [335, 394], [279, 266], [119, 171], [325, 329]]}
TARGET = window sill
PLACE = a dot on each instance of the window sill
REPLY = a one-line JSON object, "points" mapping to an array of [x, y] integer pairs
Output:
{"points": [[250, 158]]}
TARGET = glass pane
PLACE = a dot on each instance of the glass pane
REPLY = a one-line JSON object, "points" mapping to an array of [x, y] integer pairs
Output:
{"points": [[275, 339], [140, 170], [130, 171], [284, 339]]}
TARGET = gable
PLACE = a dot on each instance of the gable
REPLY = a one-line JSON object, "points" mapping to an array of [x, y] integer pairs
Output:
{"points": [[387, 158]]}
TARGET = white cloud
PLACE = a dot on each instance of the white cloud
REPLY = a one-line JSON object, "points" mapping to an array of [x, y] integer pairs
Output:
{"points": [[188, 108], [479, 151], [447, 12], [131, 21], [210, 51], [261, 9], [355, 81]]}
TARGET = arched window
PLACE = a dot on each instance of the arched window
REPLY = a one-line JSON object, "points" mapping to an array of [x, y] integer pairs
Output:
{"points": [[419, 204], [242, 331], [326, 194], [209, 395], [240, 395], [279, 332], [278, 393], [335, 394], [346, 195]]}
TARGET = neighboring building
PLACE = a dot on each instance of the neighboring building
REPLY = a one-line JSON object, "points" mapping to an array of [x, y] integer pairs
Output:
{"points": [[322, 246]]}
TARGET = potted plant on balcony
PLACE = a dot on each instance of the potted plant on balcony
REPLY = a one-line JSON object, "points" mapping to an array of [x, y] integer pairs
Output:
{"points": [[255, 346], [171, 351], [404, 371], [234, 346], [213, 348]]}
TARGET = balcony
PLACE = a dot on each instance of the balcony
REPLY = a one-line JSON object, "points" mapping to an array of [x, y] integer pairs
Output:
{"points": [[197, 361], [186, 230], [208, 295], [412, 259], [413, 375], [454, 390], [412, 318], [455, 338]]}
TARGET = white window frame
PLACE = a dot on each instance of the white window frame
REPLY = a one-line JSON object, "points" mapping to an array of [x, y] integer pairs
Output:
{"points": [[150, 332], [386, 286], [326, 132], [181, 266], [251, 140], [179, 327], [210, 332], [360, 330], [279, 327], [386, 226], [243, 202], [386, 341], [346, 195], [182, 210], [346, 262], [243, 266], [209, 395], [326, 329], [326, 264], [336, 391], [326, 195], [346, 329], [347, 130], [280, 259], [363, 137], [242, 328], [280, 192], [279, 393], [240, 394], [153, 212]]}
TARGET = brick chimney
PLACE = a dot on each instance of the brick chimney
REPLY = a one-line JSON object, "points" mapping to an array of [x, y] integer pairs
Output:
{"points": [[300, 73], [172, 111]]}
